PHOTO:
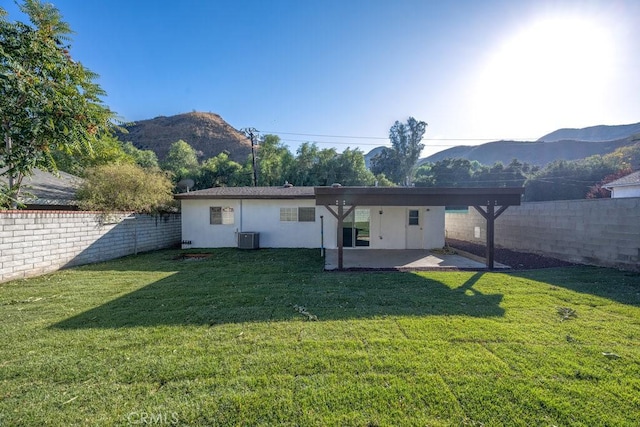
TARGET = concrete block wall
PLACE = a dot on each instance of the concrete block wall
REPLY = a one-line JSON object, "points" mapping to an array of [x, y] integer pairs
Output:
{"points": [[38, 242], [602, 232]]}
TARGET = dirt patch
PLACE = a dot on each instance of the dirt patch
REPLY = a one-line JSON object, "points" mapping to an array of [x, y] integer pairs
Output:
{"points": [[515, 260], [192, 257]]}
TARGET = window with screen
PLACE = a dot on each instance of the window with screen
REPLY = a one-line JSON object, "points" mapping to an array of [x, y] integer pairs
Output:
{"points": [[288, 214], [222, 215], [306, 214]]}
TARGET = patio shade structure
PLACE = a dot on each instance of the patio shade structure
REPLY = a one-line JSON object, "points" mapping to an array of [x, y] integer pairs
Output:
{"points": [[484, 200]]}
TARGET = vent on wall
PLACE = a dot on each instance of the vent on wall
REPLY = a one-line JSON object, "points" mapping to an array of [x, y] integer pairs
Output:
{"points": [[248, 240]]}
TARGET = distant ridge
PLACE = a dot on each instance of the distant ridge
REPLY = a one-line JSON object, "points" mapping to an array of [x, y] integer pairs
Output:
{"points": [[562, 144], [593, 133], [207, 133]]}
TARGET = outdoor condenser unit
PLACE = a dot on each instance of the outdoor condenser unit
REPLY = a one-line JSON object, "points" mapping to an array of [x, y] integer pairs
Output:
{"points": [[248, 240]]}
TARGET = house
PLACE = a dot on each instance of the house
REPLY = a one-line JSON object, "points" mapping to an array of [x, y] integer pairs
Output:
{"points": [[627, 186], [333, 217], [45, 191]]}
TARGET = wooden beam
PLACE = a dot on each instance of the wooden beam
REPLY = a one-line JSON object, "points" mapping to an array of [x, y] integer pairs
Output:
{"points": [[340, 216], [490, 216]]}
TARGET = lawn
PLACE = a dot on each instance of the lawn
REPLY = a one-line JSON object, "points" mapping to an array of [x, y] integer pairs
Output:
{"points": [[267, 338]]}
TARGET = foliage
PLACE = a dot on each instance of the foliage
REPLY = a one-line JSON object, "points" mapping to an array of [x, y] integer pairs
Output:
{"points": [[220, 171], [144, 158], [125, 187], [398, 162], [598, 191], [181, 161], [48, 101], [274, 161], [224, 341], [465, 173], [105, 150], [566, 180]]}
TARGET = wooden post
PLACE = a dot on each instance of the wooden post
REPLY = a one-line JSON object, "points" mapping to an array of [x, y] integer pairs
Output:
{"points": [[490, 237], [340, 216], [490, 216]]}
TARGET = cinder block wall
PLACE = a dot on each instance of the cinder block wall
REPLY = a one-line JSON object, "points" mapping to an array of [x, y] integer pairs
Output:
{"points": [[38, 242], [603, 232]]}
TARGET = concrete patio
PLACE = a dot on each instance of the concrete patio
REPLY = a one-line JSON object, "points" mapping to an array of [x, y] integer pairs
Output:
{"points": [[379, 259]]}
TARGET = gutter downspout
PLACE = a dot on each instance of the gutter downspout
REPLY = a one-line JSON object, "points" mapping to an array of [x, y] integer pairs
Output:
{"points": [[322, 236]]}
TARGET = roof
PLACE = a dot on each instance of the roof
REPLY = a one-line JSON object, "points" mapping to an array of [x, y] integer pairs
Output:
{"points": [[419, 196], [282, 192], [631, 179], [46, 189], [372, 196]]}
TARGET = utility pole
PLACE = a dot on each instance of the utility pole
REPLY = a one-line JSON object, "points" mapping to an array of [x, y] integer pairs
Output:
{"points": [[251, 133]]}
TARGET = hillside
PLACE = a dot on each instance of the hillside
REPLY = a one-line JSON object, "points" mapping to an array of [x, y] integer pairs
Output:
{"points": [[593, 133], [207, 133], [596, 140], [535, 153]]}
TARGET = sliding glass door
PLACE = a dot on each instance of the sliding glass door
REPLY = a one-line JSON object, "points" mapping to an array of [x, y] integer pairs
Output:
{"points": [[356, 228]]}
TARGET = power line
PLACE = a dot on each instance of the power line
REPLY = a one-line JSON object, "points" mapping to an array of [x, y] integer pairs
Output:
{"points": [[387, 138]]}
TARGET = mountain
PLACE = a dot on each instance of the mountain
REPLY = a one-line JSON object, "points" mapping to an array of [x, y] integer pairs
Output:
{"points": [[559, 145], [371, 154], [207, 133], [593, 133]]}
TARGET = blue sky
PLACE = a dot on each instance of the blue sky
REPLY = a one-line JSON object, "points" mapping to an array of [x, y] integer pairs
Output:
{"points": [[325, 70]]}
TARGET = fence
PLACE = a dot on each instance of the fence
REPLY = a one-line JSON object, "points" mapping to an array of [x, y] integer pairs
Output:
{"points": [[603, 232], [37, 242]]}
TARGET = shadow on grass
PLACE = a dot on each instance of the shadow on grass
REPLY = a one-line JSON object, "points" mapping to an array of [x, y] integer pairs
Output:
{"points": [[233, 286], [615, 285]]}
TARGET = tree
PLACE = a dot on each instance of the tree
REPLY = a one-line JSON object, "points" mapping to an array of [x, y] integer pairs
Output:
{"points": [[274, 161], [399, 161], [144, 158], [105, 150], [48, 101], [350, 168], [182, 161], [126, 187], [220, 171]]}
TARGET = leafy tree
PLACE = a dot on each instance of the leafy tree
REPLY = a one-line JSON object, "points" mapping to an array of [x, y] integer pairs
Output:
{"points": [[181, 161], [105, 150], [399, 161], [387, 162], [125, 187], [599, 192], [567, 180], [350, 168], [220, 171], [145, 158], [274, 161], [48, 101]]}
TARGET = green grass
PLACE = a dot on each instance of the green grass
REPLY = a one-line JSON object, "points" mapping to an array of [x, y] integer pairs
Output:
{"points": [[153, 339]]}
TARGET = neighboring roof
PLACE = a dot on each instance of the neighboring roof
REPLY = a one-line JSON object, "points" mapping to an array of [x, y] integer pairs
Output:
{"points": [[631, 179], [373, 196], [283, 192], [46, 189], [419, 196]]}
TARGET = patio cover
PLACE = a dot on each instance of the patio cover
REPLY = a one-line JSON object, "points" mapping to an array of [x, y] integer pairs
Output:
{"points": [[484, 200]]}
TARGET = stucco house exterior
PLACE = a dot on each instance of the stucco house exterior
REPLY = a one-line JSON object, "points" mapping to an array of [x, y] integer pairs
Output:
{"points": [[290, 217], [627, 186], [334, 217]]}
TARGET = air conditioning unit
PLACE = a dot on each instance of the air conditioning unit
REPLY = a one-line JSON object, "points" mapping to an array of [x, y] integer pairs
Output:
{"points": [[248, 240]]}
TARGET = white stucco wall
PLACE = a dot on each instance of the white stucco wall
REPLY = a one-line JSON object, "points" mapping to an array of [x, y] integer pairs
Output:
{"points": [[388, 230], [628, 191]]}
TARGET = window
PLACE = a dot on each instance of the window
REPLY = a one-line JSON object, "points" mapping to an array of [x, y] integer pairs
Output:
{"points": [[288, 214], [297, 214], [414, 217], [221, 215], [306, 214]]}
